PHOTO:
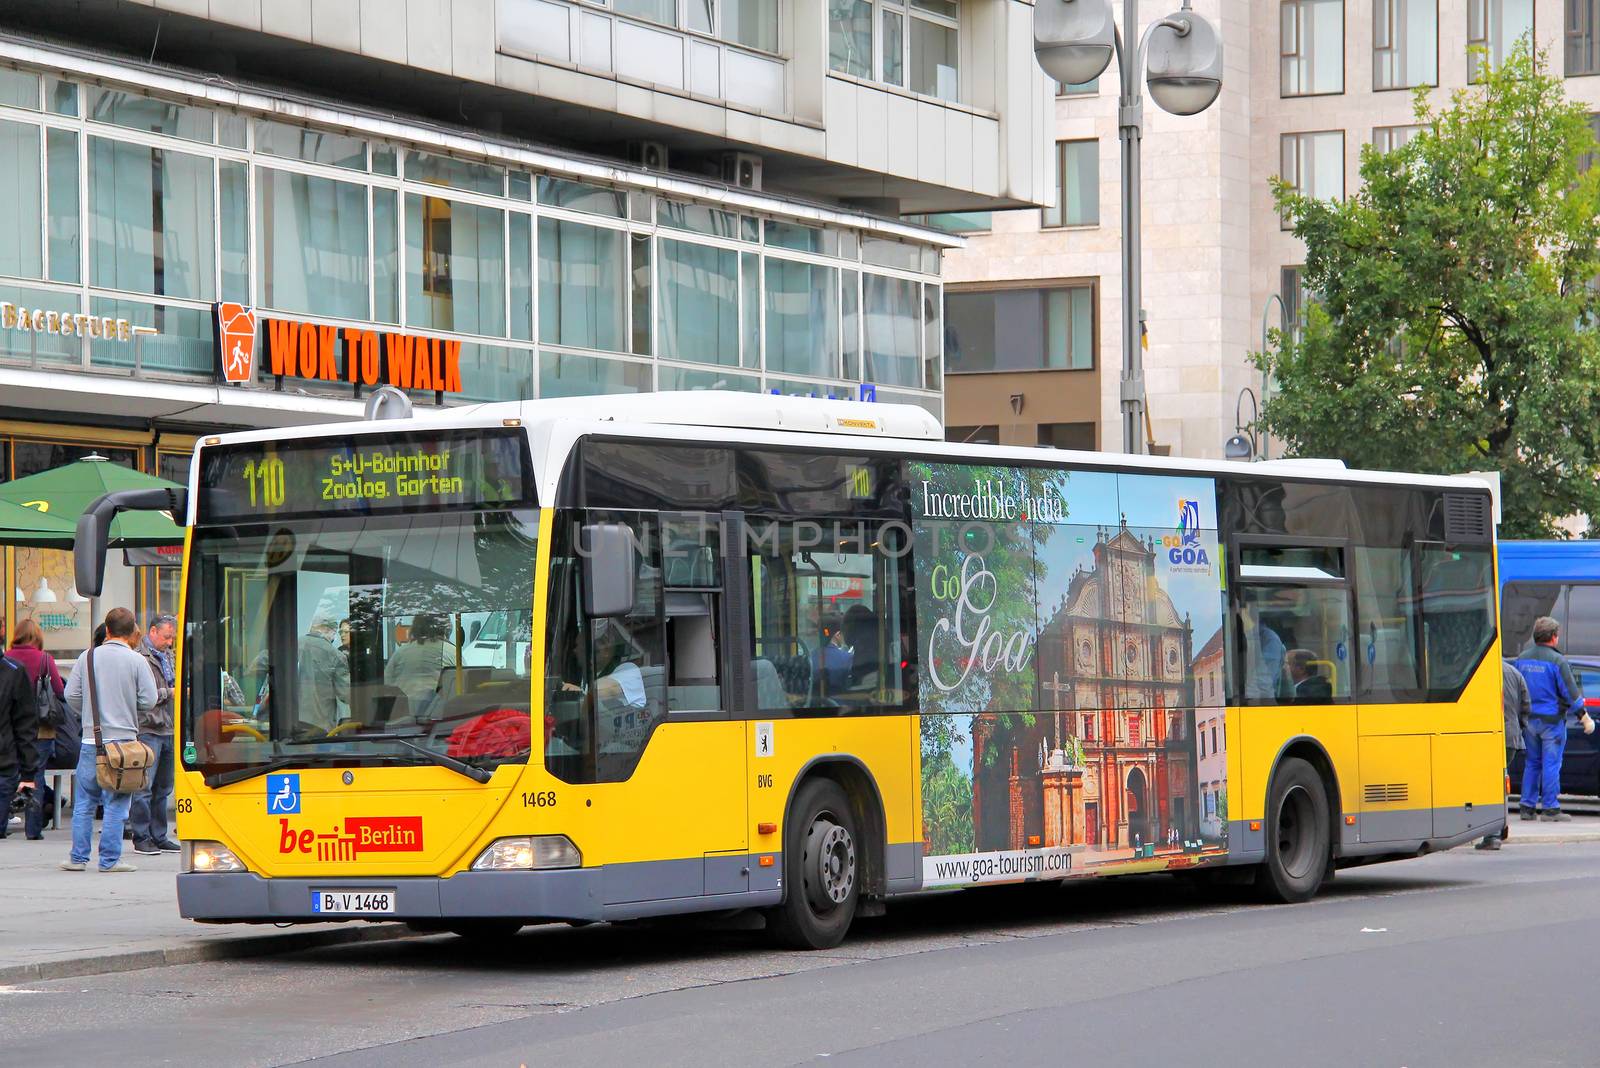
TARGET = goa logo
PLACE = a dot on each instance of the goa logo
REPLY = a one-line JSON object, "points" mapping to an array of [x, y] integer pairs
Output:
{"points": [[1188, 522]]}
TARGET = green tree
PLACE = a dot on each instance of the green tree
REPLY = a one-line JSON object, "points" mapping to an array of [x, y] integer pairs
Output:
{"points": [[1452, 323]]}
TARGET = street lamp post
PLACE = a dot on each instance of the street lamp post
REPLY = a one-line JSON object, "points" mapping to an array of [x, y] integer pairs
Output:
{"points": [[1074, 40]]}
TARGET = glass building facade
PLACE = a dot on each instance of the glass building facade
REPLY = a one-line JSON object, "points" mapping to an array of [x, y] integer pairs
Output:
{"points": [[153, 210]]}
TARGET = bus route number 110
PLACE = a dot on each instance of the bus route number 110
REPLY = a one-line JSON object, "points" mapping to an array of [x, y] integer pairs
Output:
{"points": [[265, 477]]}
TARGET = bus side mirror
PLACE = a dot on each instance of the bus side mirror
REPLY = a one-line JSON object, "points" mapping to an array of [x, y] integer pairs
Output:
{"points": [[610, 566], [94, 529]]}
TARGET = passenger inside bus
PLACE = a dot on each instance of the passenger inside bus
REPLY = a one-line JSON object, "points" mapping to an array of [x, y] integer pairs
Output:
{"points": [[1310, 687], [832, 661], [416, 666], [1264, 653]]}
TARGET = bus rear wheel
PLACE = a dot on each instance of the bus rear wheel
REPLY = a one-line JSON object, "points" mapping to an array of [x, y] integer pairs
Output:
{"points": [[821, 868], [1298, 839]]}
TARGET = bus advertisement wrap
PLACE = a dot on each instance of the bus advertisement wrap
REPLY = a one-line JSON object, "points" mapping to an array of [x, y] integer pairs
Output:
{"points": [[1072, 687]]}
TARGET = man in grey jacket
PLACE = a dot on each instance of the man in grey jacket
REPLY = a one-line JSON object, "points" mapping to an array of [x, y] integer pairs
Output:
{"points": [[1516, 703], [148, 816], [124, 687]]}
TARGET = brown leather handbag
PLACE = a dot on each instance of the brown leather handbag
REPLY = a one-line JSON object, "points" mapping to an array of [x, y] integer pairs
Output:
{"points": [[119, 767]]}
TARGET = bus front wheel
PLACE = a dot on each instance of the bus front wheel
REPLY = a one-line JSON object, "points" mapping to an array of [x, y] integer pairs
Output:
{"points": [[1298, 844], [821, 869]]}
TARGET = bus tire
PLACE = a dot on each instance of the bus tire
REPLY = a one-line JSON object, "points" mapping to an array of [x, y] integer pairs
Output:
{"points": [[1298, 839], [821, 868]]}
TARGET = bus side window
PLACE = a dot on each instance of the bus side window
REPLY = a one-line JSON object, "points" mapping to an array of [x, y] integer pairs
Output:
{"points": [[1294, 624], [692, 579], [831, 619]]}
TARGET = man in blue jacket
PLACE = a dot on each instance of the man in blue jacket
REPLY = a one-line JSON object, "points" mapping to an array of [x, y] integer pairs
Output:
{"points": [[1553, 691]]}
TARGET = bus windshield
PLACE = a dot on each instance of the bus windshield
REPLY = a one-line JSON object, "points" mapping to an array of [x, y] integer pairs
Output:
{"points": [[358, 641]]}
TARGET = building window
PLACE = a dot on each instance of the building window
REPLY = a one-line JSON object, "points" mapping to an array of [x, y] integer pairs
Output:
{"points": [[699, 309], [20, 199], [1078, 437], [956, 222], [1583, 37], [1495, 26], [1389, 138], [918, 44], [1020, 329], [583, 286], [150, 220], [989, 434], [1313, 164], [61, 223], [1296, 299], [1077, 185], [752, 23], [312, 244], [802, 318], [455, 266], [1311, 47], [1088, 88], [1405, 43], [850, 37], [1586, 160], [893, 327]]}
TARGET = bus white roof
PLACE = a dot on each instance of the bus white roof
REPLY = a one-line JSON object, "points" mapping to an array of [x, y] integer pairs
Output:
{"points": [[730, 417]]}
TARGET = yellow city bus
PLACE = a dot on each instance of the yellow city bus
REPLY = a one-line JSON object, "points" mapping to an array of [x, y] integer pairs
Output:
{"points": [[610, 658]]}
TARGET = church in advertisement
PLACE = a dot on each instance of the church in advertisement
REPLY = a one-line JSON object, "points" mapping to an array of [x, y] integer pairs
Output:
{"points": [[1111, 765]]}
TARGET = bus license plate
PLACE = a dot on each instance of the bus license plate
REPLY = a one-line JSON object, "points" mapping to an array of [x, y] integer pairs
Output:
{"points": [[351, 902]]}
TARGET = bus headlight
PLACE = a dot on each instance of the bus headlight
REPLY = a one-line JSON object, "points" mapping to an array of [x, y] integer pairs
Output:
{"points": [[209, 857], [529, 852]]}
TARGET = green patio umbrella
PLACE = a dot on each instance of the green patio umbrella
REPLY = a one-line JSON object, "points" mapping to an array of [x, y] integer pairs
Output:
{"points": [[64, 493], [29, 526]]}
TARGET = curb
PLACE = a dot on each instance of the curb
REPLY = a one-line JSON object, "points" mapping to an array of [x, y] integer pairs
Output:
{"points": [[1552, 839], [194, 953]]}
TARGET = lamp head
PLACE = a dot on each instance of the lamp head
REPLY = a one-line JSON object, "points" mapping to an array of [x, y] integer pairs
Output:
{"points": [[1073, 40], [1185, 65], [1238, 447]]}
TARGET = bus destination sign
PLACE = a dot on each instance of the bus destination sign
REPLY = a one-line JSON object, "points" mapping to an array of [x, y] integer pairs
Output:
{"points": [[365, 475]]}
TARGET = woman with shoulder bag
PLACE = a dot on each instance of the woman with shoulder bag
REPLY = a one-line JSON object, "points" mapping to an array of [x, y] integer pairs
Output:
{"points": [[27, 649], [108, 688]]}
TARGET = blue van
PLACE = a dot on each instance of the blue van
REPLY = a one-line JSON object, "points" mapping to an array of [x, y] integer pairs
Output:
{"points": [[1559, 579]]}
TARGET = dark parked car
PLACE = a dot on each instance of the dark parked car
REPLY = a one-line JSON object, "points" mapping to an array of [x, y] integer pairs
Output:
{"points": [[1580, 767]]}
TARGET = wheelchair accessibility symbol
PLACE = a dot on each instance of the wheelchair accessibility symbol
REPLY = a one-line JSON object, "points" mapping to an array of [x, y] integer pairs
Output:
{"points": [[283, 795]]}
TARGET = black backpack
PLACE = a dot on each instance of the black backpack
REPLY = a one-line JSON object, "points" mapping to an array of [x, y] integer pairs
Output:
{"points": [[53, 712]]}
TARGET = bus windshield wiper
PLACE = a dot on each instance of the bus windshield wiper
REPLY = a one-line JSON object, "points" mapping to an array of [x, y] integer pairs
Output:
{"points": [[476, 774], [223, 778]]}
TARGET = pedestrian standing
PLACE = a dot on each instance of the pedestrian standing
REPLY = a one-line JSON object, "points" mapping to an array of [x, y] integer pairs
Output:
{"points": [[1516, 704], [27, 649], [17, 727], [122, 688], [148, 816], [1553, 691]]}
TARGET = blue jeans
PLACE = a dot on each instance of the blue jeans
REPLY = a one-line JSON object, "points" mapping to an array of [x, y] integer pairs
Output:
{"points": [[37, 815], [86, 795], [148, 816], [1541, 766]]}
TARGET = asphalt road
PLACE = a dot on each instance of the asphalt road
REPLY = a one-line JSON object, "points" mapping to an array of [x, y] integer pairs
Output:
{"points": [[1458, 959]]}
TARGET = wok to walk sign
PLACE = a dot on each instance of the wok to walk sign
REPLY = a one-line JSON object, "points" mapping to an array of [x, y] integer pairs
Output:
{"points": [[250, 348]]}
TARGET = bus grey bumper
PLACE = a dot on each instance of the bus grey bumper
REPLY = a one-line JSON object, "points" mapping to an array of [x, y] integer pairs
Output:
{"points": [[245, 897]]}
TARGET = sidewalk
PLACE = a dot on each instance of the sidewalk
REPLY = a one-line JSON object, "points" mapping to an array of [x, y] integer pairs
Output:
{"points": [[1583, 828], [57, 924]]}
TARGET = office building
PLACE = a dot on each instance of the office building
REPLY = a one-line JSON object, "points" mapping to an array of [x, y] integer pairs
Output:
{"points": [[1034, 299], [233, 213]]}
